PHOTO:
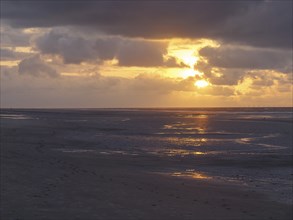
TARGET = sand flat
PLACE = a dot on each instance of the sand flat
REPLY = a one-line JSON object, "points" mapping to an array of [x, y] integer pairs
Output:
{"points": [[56, 169]]}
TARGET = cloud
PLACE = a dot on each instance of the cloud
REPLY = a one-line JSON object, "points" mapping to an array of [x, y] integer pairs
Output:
{"points": [[7, 71], [146, 90], [141, 53], [75, 49], [255, 56], [36, 67], [6, 54], [247, 58], [152, 83], [10, 54], [173, 62], [258, 23], [227, 77], [216, 90], [107, 47], [229, 64], [267, 24], [265, 79], [12, 37], [220, 76]]}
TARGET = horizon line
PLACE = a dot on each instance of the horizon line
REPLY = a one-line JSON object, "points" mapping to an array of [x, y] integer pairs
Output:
{"points": [[89, 108]]}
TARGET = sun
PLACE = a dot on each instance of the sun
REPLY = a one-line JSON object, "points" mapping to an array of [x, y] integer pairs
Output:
{"points": [[201, 83]]}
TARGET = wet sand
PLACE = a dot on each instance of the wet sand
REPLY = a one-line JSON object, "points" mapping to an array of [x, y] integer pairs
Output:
{"points": [[40, 179]]}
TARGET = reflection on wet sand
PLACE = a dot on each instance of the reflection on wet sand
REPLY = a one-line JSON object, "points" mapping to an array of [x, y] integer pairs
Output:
{"points": [[181, 152], [75, 150], [198, 126], [191, 173], [105, 152], [187, 141], [14, 116]]}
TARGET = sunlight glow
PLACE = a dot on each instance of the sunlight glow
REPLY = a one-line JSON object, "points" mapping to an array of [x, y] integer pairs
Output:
{"points": [[186, 56], [70, 74], [244, 86], [20, 49], [9, 63], [188, 73], [201, 83]]}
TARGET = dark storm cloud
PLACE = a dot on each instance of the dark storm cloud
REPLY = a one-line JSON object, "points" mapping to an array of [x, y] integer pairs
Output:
{"points": [[258, 23]]}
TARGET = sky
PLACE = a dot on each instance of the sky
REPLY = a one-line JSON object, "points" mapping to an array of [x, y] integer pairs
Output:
{"points": [[126, 53]]}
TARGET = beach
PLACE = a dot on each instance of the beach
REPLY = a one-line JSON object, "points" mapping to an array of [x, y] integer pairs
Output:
{"points": [[146, 164]]}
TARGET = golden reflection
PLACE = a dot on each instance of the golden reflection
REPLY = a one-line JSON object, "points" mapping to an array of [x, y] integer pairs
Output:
{"points": [[188, 141], [192, 174], [202, 124], [180, 152], [199, 126], [202, 116], [169, 127], [201, 130]]}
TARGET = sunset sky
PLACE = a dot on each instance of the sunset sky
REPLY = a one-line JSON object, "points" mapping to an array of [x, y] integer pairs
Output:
{"points": [[146, 53]]}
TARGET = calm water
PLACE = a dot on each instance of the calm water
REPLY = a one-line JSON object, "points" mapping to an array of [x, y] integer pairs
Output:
{"points": [[247, 146]]}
